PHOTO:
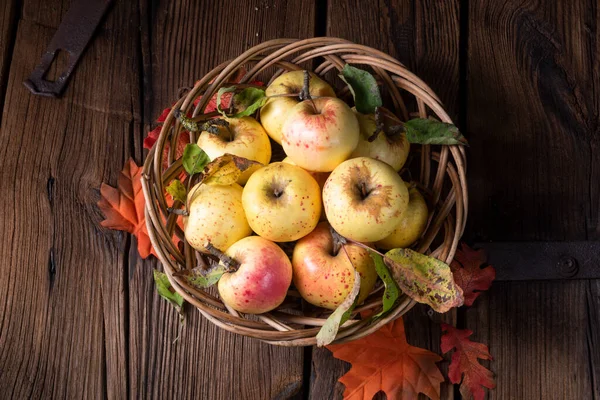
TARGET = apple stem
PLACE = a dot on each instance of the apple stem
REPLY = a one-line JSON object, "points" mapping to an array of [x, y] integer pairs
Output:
{"points": [[178, 211], [231, 263], [305, 92], [378, 125], [363, 190]]}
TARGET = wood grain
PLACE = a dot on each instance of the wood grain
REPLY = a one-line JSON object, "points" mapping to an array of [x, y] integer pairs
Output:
{"points": [[63, 314], [423, 35], [543, 337], [532, 121], [533, 75], [181, 41]]}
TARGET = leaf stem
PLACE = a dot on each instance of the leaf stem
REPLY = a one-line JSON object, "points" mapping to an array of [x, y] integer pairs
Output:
{"points": [[231, 263]]}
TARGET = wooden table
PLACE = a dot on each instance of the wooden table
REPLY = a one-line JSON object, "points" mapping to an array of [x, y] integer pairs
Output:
{"points": [[79, 316]]}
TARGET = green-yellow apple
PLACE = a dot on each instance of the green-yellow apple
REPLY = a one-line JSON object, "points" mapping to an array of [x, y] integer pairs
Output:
{"points": [[392, 149], [261, 282], [412, 223], [364, 199], [320, 177], [216, 215], [282, 202], [244, 137], [325, 279], [320, 134], [274, 112]]}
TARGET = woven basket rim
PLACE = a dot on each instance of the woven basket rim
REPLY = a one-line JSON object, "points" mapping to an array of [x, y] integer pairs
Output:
{"points": [[450, 206]]}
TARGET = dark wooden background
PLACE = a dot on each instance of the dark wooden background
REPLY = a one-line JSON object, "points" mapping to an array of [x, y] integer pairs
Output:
{"points": [[79, 316]]}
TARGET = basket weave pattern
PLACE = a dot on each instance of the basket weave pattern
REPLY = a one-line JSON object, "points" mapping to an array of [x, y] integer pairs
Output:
{"points": [[441, 177]]}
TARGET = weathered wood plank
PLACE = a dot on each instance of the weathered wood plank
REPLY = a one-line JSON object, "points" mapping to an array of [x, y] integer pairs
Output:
{"points": [[9, 17], [532, 121], [543, 337], [533, 78], [63, 313], [424, 36], [183, 41]]}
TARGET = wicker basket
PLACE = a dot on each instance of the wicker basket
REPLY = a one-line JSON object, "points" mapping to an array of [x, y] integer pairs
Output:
{"points": [[441, 176]]}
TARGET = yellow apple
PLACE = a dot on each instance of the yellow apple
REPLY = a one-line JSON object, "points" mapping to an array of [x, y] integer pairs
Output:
{"points": [[325, 279], [391, 149], [216, 215], [320, 177], [412, 223], [244, 137], [364, 199], [282, 202], [274, 112], [320, 134], [261, 282]]}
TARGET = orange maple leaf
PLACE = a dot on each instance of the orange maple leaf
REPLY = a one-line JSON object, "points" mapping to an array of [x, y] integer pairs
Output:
{"points": [[384, 361], [468, 273], [123, 206], [465, 364]]}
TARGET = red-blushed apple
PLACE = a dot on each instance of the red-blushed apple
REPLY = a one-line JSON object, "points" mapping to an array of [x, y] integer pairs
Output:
{"points": [[243, 137], [261, 282], [274, 112], [325, 278], [216, 215], [412, 223], [364, 199], [319, 134], [392, 149], [282, 202]]}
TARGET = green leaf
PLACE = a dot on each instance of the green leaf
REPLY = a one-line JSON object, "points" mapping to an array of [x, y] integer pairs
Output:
{"points": [[219, 94], [425, 279], [248, 101], [391, 292], [432, 131], [202, 279], [177, 190], [226, 169], [194, 159], [341, 314], [166, 291], [363, 87]]}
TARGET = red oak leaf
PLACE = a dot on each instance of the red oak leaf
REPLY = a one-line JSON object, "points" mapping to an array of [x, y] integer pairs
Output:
{"points": [[123, 206], [468, 273], [464, 362], [384, 361]]}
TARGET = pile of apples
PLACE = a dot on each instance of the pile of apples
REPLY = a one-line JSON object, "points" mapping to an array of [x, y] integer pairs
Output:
{"points": [[333, 177]]}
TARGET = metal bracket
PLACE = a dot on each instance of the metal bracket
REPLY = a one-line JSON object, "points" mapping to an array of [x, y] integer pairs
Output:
{"points": [[72, 36], [522, 261]]}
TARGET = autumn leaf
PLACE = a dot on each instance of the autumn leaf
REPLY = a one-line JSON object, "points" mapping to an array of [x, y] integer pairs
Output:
{"points": [[432, 131], [424, 279], [166, 291], [384, 361], [391, 291], [226, 169], [465, 362], [202, 279], [468, 273], [184, 139], [177, 190], [330, 328], [123, 206]]}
